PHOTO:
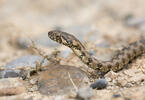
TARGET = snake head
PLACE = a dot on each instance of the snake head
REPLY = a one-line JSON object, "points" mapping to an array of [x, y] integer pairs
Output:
{"points": [[52, 35], [65, 39], [61, 37], [55, 35]]}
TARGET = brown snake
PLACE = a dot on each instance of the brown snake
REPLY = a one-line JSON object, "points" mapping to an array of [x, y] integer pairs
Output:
{"points": [[117, 62]]}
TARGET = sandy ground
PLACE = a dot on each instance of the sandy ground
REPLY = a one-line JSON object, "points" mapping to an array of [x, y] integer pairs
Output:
{"points": [[102, 25]]}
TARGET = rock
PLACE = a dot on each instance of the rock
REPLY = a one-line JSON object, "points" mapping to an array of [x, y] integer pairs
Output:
{"points": [[24, 61], [116, 95], [10, 73], [11, 86], [99, 84], [21, 62], [85, 93], [56, 80]]}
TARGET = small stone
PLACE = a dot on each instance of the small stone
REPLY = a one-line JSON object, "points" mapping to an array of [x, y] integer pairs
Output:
{"points": [[12, 74], [99, 84], [21, 62], [56, 80], [85, 93], [25, 61], [11, 86], [116, 95]]}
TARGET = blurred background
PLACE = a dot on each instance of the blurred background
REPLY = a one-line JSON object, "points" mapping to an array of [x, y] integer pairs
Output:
{"points": [[102, 22], [35, 16]]}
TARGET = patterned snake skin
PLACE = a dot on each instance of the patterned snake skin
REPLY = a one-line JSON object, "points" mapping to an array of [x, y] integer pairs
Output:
{"points": [[122, 58]]}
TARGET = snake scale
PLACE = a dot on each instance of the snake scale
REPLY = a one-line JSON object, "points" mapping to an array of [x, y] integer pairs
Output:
{"points": [[122, 58]]}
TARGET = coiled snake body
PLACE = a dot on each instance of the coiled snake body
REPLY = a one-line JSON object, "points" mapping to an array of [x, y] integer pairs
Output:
{"points": [[122, 58]]}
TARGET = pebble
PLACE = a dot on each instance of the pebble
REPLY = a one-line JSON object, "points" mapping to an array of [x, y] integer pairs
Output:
{"points": [[116, 95], [10, 73], [85, 93], [99, 84], [21, 62], [56, 80], [11, 86]]}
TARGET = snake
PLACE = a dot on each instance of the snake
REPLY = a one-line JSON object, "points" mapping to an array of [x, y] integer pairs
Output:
{"points": [[116, 63]]}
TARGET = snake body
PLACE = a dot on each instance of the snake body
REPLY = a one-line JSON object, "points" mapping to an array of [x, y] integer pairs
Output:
{"points": [[122, 58]]}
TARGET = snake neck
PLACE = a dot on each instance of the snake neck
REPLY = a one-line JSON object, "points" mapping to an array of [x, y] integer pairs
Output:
{"points": [[86, 58]]}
